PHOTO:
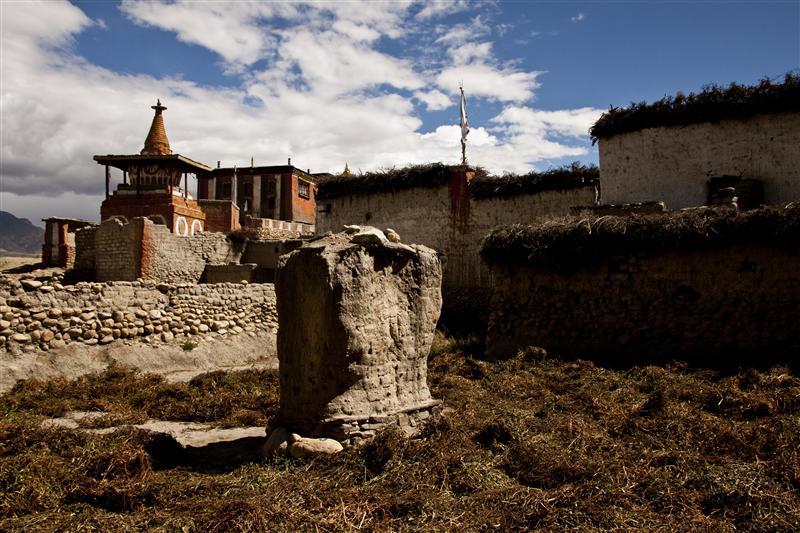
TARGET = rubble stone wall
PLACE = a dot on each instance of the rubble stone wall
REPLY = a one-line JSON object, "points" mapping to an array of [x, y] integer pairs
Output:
{"points": [[34, 315], [717, 302]]}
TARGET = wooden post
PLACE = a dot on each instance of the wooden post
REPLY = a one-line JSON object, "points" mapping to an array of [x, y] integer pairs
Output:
{"points": [[108, 179], [185, 185], [124, 177]]}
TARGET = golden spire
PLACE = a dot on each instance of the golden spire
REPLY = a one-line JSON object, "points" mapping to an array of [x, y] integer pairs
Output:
{"points": [[346, 171], [156, 142]]}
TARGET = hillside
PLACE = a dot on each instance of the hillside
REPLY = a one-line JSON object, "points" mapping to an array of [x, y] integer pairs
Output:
{"points": [[19, 235]]}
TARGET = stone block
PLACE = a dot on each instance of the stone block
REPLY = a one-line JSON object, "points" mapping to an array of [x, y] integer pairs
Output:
{"points": [[356, 322]]}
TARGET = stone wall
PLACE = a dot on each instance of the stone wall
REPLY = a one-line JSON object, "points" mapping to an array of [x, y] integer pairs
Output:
{"points": [[447, 219], [34, 315], [674, 164], [712, 303]]}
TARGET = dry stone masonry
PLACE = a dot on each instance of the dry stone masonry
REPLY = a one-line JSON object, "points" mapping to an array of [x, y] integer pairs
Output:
{"points": [[45, 314], [357, 317]]}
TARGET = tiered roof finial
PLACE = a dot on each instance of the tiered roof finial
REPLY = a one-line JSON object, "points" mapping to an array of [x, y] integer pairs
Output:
{"points": [[157, 142]]}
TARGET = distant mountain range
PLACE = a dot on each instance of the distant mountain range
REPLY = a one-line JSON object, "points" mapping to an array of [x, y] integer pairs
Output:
{"points": [[19, 235]]}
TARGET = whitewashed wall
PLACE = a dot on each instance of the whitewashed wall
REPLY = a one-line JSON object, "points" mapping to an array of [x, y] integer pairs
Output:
{"points": [[673, 164]]}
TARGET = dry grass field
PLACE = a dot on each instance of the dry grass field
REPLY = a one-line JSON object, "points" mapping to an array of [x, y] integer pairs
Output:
{"points": [[530, 443]]}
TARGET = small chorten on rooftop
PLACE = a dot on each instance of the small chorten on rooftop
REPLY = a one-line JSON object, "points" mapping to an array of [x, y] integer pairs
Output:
{"points": [[157, 142]]}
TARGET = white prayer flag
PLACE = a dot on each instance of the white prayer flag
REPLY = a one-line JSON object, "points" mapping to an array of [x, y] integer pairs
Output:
{"points": [[464, 123]]}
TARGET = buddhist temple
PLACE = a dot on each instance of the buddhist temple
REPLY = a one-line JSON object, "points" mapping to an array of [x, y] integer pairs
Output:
{"points": [[155, 183]]}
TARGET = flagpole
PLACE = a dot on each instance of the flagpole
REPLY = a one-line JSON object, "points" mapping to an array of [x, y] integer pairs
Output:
{"points": [[464, 126]]}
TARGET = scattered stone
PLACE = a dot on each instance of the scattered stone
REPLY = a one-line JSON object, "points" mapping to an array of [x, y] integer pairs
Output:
{"points": [[30, 284], [303, 448], [277, 443], [369, 236]]}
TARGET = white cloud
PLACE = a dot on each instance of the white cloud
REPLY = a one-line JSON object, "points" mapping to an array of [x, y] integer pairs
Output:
{"points": [[462, 33], [438, 8], [570, 122], [578, 18], [334, 65], [357, 32], [229, 29], [497, 83], [327, 95], [469, 52], [435, 100]]}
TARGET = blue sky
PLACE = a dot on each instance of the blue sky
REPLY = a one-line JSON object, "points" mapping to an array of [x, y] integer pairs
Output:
{"points": [[374, 85]]}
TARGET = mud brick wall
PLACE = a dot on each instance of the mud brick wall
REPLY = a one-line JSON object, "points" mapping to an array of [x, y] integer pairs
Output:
{"points": [[84, 249], [117, 249], [468, 280], [221, 215], [215, 247], [167, 257], [269, 228], [714, 303], [229, 273], [265, 253], [447, 219], [126, 251], [674, 164], [52, 315]]}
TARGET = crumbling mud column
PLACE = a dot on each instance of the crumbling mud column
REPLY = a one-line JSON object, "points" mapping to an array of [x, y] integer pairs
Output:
{"points": [[357, 314]]}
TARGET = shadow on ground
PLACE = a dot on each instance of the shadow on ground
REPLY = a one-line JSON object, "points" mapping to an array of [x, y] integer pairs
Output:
{"points": [[215, 458]]}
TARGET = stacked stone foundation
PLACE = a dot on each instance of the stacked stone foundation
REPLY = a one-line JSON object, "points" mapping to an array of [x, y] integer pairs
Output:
{"points": [[351, 430]]}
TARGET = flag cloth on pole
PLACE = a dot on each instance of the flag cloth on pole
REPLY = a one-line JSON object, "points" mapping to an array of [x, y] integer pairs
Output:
{"points": [[464, 123]]}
